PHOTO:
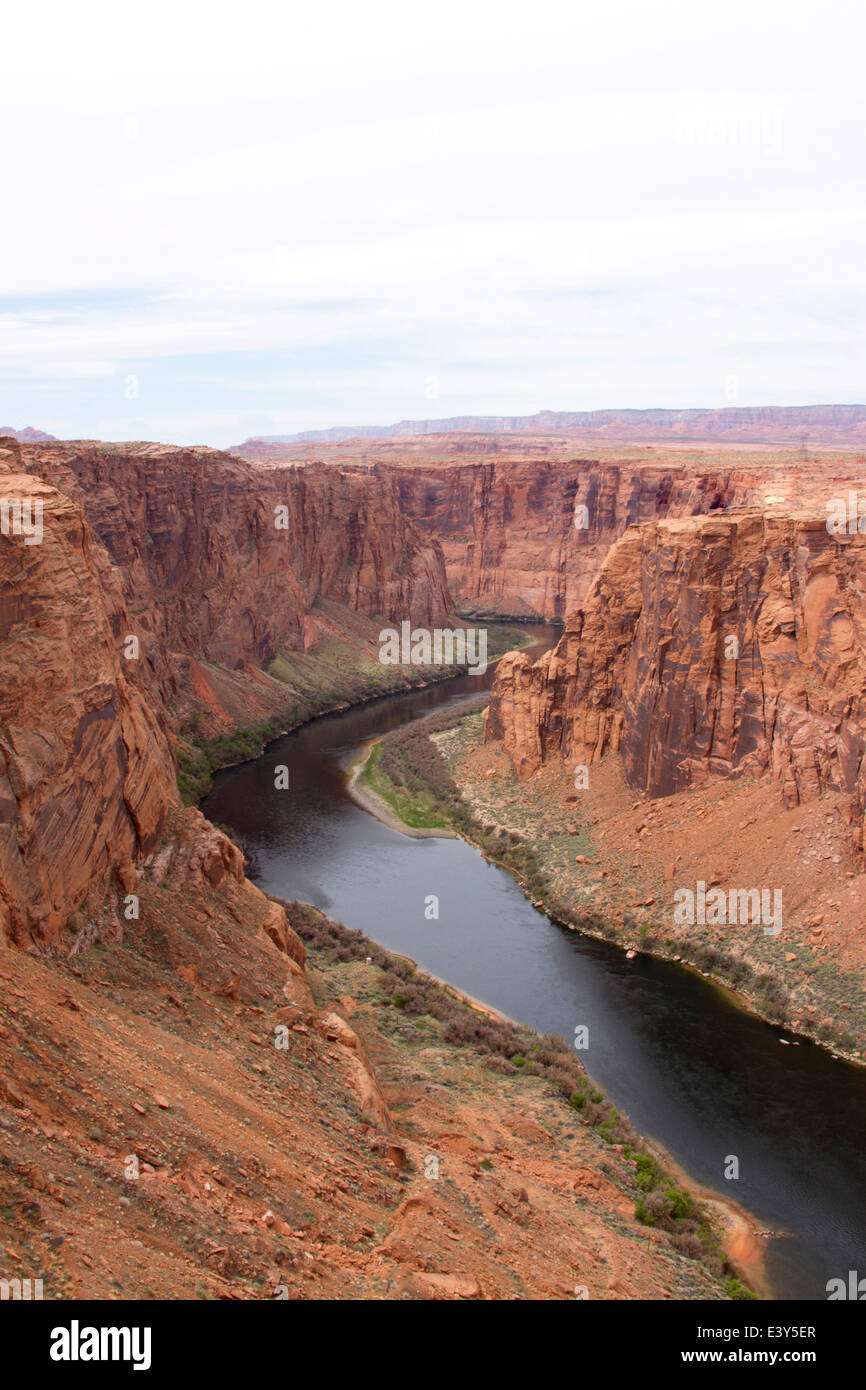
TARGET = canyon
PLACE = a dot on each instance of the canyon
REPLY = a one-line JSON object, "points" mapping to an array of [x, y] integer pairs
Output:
{"points": [[711, 665], [156, 1141], [179, 594], [173, 556], [525, 521], [715, 671]]}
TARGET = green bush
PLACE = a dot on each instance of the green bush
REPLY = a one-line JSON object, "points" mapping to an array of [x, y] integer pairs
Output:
{"points": [[197, 762], [681, 1204], [647, 1172], [643, 1215], [738, 1291]]}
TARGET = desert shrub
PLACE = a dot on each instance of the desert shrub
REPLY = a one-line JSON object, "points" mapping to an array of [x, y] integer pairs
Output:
{"points": [[772, 994], [197, 762], [499, 1064], [688, 1244], [680, 1202], [648, 1173], [643, 1214], [738, 1291]]}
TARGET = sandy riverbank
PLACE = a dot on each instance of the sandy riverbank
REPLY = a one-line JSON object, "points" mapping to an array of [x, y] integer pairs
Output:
{"points": [[371, 801], [744, 1241]]}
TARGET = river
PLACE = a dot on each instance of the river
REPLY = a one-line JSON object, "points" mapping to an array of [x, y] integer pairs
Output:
{"points": [[702, 1077]]}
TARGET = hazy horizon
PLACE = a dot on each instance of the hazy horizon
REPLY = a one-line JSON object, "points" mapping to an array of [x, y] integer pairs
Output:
{"points": [[427, 425]]}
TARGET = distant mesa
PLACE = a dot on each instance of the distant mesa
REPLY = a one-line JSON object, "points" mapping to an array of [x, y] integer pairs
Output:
{"points": [[743, 424], [27, 436]]}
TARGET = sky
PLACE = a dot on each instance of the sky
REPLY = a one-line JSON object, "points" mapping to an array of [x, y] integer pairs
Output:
{"points": [[223, 221]]}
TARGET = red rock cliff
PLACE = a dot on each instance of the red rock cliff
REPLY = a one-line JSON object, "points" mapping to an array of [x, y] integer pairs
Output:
{"points": [[194, 535], [525, 520], [706, 647], [527, 538], [86, 774]]}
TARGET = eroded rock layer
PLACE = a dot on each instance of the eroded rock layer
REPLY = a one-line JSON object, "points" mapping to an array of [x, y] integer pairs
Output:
{"points": [[707, 646], [225, 559], [528, 538], [86, 774], [526, 520]]}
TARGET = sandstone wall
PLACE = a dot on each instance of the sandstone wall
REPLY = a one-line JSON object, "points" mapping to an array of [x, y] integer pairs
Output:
{"points": [[508, 529], [646, 665], [193, 534], [86, 773]]}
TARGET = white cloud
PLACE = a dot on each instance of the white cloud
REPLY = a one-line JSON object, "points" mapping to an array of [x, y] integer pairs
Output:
{"points": [[558, 205]]}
